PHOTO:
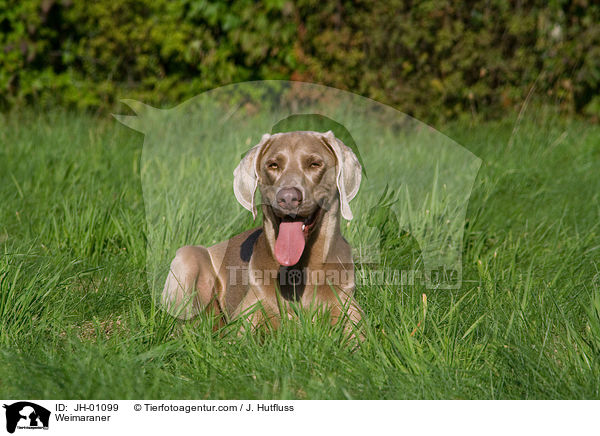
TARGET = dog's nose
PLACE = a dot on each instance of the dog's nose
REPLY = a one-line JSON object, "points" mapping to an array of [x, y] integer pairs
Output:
{"points": [[289, 198]]}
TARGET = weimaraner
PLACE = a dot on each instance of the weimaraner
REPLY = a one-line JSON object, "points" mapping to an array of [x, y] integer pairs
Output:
{"points": [[306, 180]]}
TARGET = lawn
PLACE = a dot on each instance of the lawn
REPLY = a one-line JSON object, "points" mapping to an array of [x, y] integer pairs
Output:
{"points": [[78, 319]]}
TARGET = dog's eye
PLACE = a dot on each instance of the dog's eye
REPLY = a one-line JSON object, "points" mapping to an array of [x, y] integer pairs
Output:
{"points": [[272, 166]]}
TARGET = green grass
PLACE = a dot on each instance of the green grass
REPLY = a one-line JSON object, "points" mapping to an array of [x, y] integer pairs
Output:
{"points": [[78, 320]]}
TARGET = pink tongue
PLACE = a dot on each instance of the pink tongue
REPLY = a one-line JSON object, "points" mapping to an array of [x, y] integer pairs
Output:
{"points": [[290, 243]]}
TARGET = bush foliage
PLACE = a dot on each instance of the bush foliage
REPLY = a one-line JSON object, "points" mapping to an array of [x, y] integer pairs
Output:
{"points": [[435, 58]]}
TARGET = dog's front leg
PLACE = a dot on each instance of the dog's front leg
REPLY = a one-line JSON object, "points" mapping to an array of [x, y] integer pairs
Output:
{"points": [[255, 310], [347, 311]]}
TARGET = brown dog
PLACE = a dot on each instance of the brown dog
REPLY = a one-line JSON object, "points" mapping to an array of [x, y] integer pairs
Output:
{"points": [[306, 180]]}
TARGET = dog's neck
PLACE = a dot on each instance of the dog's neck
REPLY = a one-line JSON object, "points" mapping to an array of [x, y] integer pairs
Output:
{"points": [[319, 244], [327, 234]]}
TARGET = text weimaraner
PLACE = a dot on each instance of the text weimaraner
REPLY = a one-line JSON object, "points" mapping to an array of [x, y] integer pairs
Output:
{"points": [[306, 180]]}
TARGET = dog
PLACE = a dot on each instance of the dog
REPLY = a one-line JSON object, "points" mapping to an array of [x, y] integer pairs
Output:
{"points": [[306, 180]]}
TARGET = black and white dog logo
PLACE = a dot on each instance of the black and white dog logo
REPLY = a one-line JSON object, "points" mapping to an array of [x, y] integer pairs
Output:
{"points": [[26, 415]]}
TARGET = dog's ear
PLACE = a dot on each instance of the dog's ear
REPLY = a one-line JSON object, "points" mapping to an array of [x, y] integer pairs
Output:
{"points": [[349, 172], [245, 176]]}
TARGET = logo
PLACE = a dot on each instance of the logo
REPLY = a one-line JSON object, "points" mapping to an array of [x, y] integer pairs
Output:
{"points": [[26, 415], [423, 178]]}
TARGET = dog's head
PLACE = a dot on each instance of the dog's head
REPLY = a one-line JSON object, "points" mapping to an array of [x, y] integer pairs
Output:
{"points": [[301, 176]]}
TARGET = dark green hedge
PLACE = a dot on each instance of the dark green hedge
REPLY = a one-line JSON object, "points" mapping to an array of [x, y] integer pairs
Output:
{"points": [[433, 59]]}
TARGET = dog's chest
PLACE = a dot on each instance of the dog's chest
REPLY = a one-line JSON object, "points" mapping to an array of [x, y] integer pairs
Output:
{"points": [[299, 283]]}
